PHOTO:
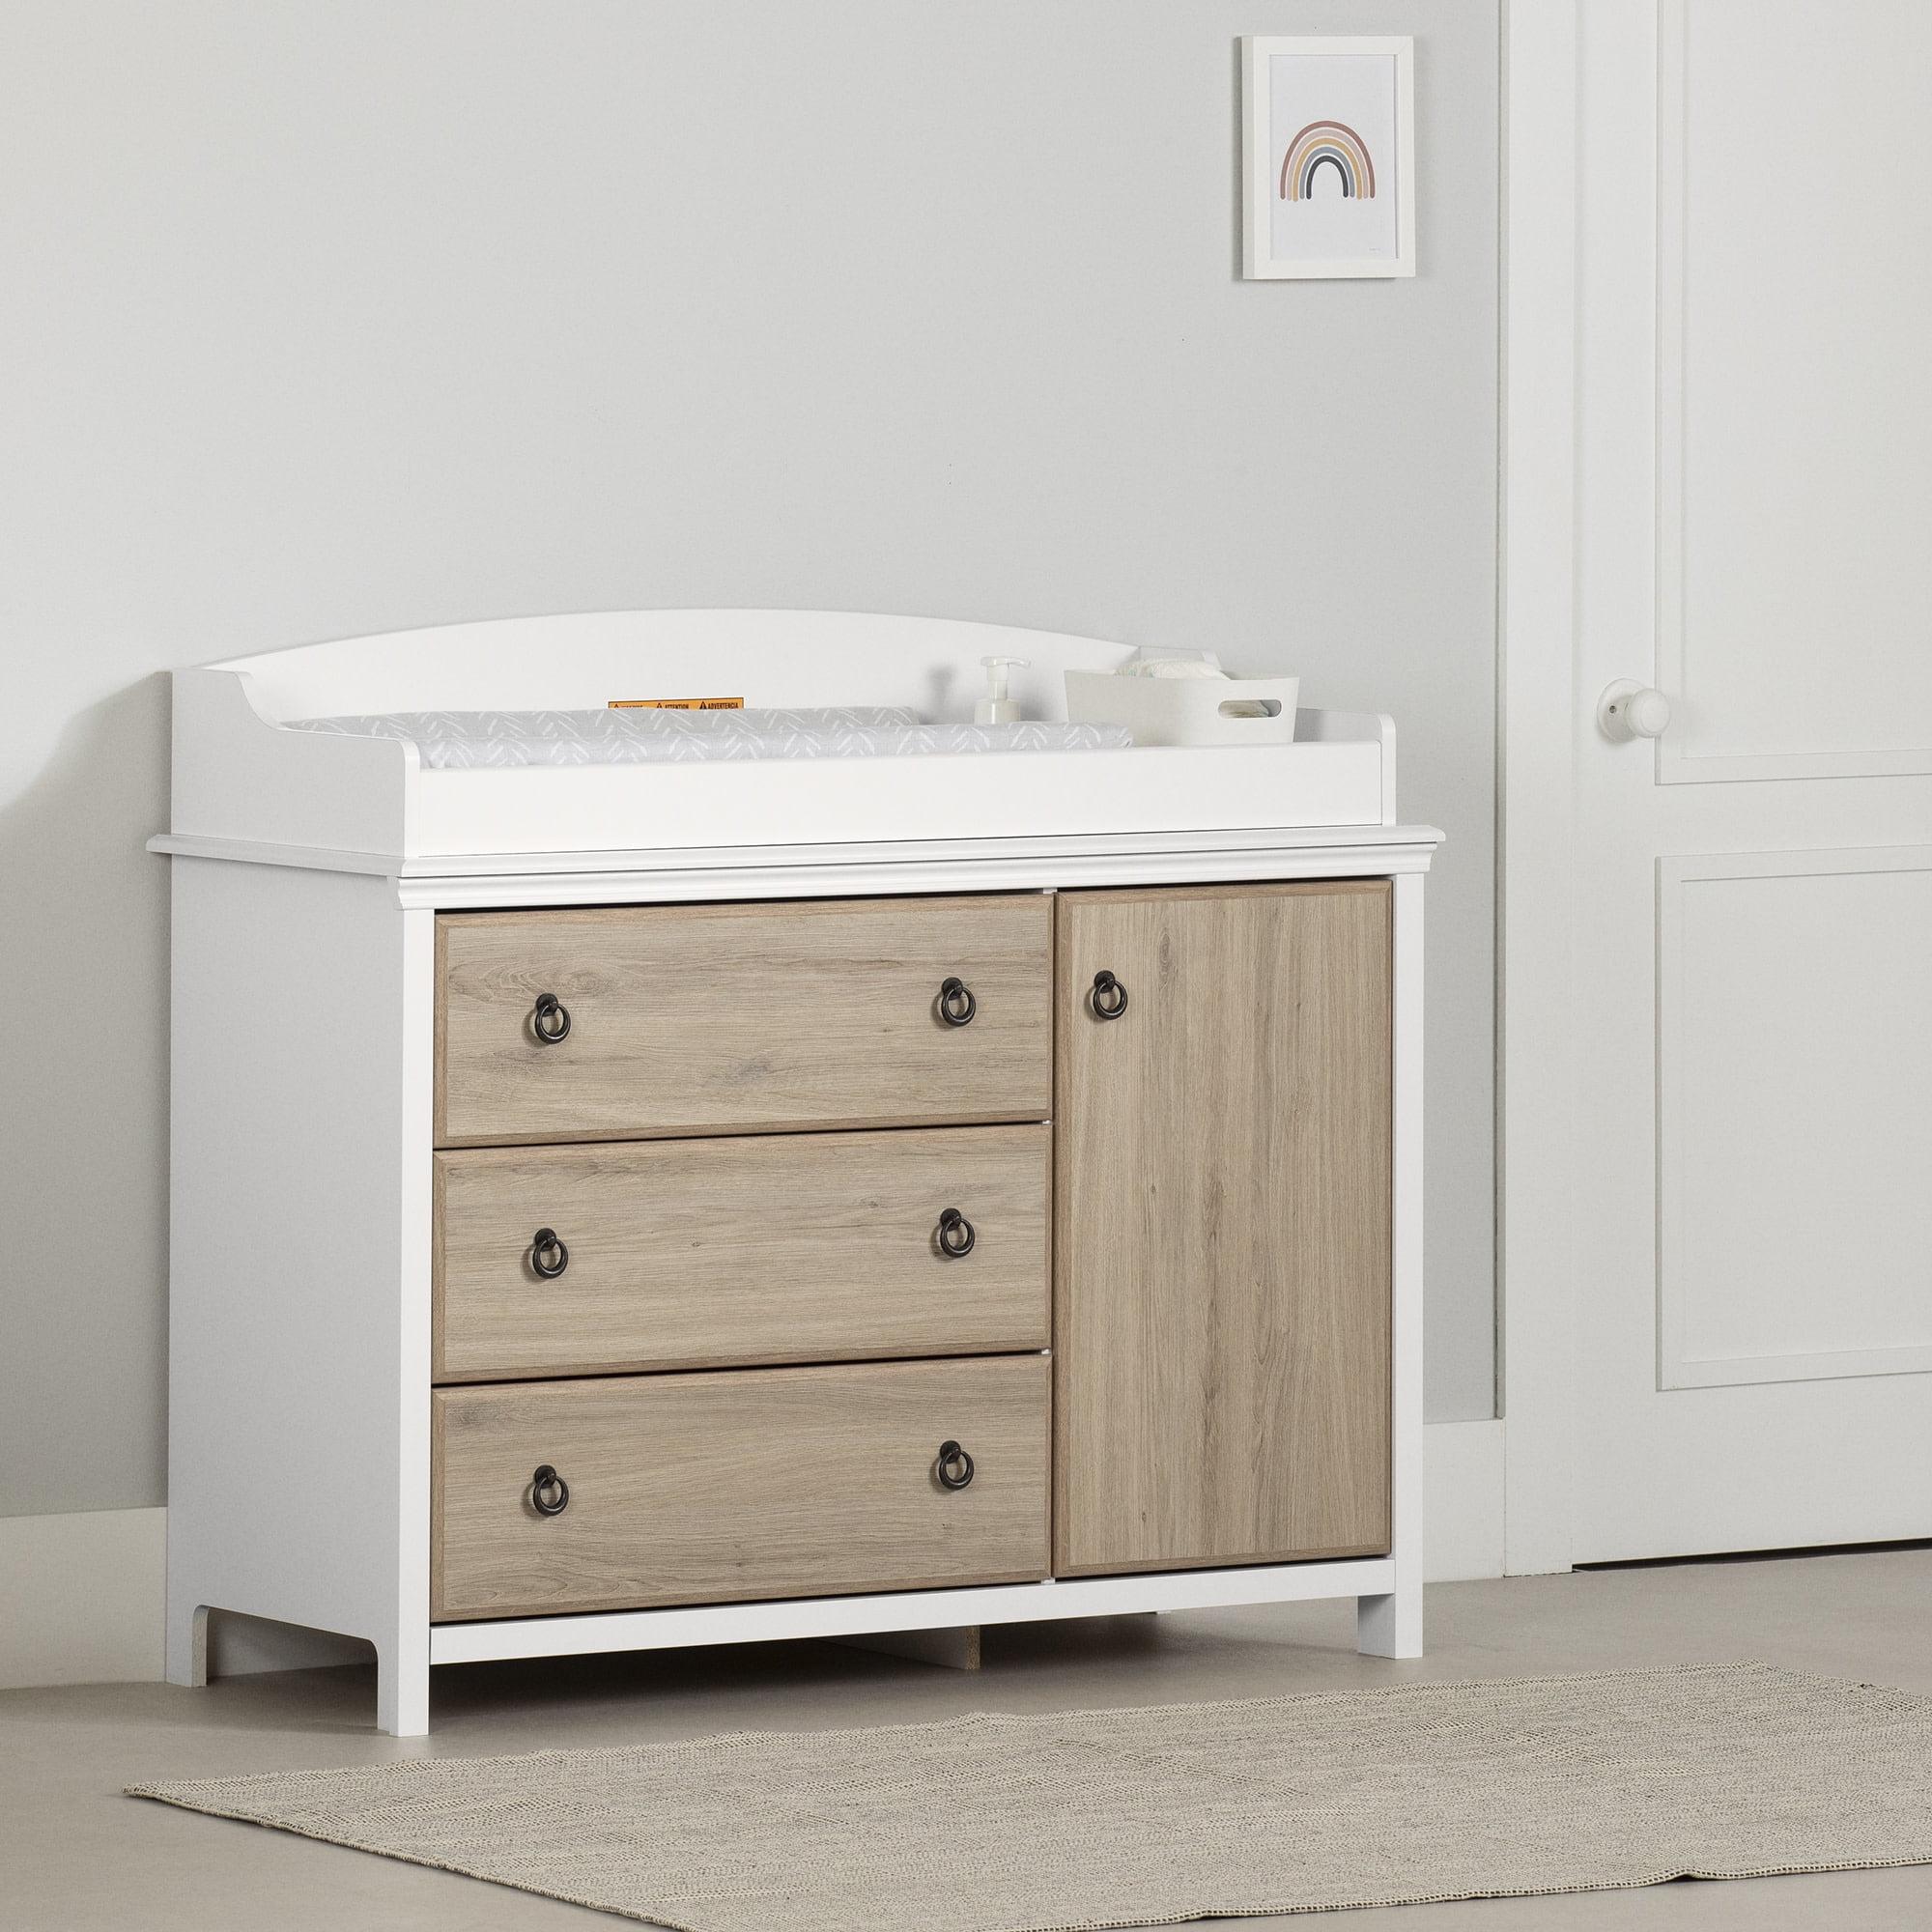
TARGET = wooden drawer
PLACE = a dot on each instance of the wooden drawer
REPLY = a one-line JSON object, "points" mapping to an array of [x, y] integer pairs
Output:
{"points": [[775, 1248], [701, 1488], [741, 1018]]}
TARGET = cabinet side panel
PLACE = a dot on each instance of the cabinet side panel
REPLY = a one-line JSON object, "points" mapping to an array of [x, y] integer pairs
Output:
{"points": [[1222, 1305], [299, 1307]]}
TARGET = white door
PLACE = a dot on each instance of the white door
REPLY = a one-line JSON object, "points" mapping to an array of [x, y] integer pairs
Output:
{"points": [[1754, 902]]}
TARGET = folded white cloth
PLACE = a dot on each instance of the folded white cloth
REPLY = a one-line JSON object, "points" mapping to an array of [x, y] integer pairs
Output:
{"points": [[461, 740], [1195, 667]]}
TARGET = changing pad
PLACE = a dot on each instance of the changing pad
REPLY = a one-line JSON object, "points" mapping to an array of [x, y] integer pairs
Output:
{"points": [[458, 740]]}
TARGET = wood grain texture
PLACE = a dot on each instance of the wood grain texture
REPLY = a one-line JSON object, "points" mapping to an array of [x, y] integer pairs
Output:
{"points": [[767, 1482], [770, 1248], [742, 1018], [1223, 1228]]}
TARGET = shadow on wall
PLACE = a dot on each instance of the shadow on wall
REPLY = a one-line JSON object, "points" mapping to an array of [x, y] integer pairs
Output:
{"points": [[83, 1135]]}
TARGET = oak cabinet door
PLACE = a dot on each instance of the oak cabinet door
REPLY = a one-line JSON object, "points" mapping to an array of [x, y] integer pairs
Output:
{"points": [[1222, 1226]]}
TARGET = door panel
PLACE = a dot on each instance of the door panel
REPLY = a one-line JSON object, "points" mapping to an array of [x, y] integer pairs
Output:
{"points": [[1222, 1246], [1795, 1153], [1754, 1116], [1795, 467]]}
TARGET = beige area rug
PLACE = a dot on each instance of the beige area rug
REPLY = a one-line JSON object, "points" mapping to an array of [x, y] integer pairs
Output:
{"points": [[1155, 1816]]}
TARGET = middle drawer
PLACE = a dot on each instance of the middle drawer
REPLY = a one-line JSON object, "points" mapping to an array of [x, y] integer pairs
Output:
{"points": [[713, 1253]]}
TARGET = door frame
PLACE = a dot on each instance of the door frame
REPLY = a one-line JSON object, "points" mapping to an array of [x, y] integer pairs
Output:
{"points": [[1540, 723]]}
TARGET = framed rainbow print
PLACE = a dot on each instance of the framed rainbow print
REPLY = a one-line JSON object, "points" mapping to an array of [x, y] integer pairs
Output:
{"points": [[1327, 148]]}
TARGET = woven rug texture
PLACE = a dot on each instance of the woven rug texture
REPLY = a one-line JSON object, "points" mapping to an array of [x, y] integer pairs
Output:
{"points": [[1075, 1821]]}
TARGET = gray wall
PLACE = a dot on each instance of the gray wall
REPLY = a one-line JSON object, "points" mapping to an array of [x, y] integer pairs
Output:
{"points": [[325, 319]]}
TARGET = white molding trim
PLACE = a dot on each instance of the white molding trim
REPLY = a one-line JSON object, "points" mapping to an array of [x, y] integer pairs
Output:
{"points": [[81, 1596], [82, 1601], [1538, 732], [490, 880], [1464, 1511]]}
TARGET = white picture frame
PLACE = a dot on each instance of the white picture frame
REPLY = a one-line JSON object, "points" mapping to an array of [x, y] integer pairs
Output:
{"points": [[1327, 157]]}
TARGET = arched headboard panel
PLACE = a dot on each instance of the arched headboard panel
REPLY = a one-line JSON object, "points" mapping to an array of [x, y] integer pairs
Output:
{"points": [[584, 662]]}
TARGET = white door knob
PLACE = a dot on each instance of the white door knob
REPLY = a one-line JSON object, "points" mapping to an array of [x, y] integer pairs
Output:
{"points": [[1629, 709]]}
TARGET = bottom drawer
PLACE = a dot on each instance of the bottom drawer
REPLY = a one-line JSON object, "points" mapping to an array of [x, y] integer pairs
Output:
{"points": [[697, 1489]]}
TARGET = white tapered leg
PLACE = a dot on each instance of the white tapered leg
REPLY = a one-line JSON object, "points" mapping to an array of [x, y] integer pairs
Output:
{"points": [[1390, 1626], [401, 1685], [188, 1644]]}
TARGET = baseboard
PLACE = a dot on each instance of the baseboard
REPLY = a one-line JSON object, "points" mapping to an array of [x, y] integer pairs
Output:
{"points": [[81, 1602], [1464, 1513], [80, 1595]]}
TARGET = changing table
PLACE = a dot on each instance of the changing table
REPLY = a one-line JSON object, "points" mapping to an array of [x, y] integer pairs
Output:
{"points": [[625, 1200]]}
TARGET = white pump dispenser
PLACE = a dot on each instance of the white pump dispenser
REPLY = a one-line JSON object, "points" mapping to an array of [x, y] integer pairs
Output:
{"points": [[996, 707]]}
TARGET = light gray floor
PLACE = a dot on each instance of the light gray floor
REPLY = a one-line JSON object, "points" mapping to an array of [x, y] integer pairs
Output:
{"points": [[74, 1854]]}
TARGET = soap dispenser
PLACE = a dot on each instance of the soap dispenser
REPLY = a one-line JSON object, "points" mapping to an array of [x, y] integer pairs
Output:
{"points": [[996, 707]]}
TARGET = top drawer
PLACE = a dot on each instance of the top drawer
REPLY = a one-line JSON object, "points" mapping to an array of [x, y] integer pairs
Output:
{"points": [[740, 1018]]}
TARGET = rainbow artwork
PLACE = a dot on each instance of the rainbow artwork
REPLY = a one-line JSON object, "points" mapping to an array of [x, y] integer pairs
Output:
{"points": [[1327, 144]]}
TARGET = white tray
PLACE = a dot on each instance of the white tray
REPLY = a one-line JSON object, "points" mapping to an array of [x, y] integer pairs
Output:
{"points": [[1185, 710]]}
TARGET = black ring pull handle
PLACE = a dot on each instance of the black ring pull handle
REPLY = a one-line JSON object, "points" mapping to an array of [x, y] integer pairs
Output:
{"points": [[1109, 997], [957, 1003], [549, 1019], [549, 1493], [955, 1234], [955, 1467], [549, 1257]]}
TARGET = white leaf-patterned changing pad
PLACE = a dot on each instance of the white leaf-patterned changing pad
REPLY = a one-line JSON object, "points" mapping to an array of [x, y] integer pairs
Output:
{"points": [[460, 740]]}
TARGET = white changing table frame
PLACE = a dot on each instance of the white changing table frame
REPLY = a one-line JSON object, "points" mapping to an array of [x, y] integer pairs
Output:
{"points": [[307, 873]]}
